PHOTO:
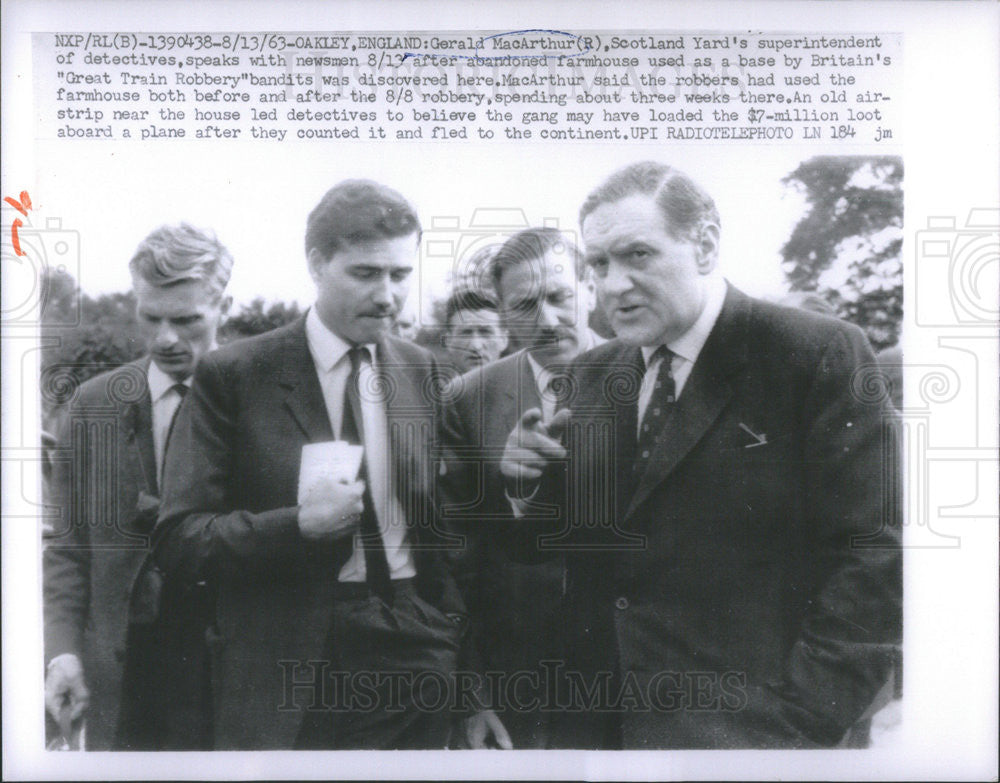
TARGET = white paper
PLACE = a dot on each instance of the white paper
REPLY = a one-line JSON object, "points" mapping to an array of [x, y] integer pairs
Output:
{"points": [[336, 459]]}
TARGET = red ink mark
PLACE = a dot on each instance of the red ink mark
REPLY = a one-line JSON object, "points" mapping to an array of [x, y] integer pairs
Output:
{"points": [[15, 240], [21, 206]]}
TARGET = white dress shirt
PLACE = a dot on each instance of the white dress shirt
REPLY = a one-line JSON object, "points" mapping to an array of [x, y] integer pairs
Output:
{"points": [[685, 348], [165, 399], [333, 368]]}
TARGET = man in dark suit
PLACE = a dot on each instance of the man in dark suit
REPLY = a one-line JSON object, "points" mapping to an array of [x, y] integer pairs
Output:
{"points": [[106, 471], [546, 294], [337, 618], [725, 493]]}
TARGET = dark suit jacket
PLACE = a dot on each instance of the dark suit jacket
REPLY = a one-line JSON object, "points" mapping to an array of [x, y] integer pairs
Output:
{"points": [[103, 460], [229, 515], [749, 586], [515, 607]]}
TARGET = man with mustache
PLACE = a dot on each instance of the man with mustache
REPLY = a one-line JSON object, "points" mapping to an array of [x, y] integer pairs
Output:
{"points": [[726, 493], [338, 621], [546, 295], [473, 335], [112, 437]]}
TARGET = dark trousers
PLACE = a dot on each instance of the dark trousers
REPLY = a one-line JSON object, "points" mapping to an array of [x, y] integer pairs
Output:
{"points": [[166, 692], [390, 680], [520, 623]]}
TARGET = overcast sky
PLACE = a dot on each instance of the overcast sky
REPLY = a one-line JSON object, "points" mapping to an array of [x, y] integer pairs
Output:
{"points": [[257, 197]]}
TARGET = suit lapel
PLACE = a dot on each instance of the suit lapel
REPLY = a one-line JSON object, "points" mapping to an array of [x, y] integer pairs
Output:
{"points": [[138, 422], [626, 425], [605, 410], [706, 393], [304, 398]]}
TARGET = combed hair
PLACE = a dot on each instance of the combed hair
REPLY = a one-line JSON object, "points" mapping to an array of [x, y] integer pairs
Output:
{"points": [[358, 210], [532, 244], [469, 299], [685, 205], [175, 253]]}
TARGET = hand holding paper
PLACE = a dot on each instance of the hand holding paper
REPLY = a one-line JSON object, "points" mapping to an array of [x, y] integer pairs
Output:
{"points": [[329, 495], [334, 459]]}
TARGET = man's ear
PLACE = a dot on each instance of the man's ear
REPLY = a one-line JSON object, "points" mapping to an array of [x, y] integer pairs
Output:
{"points": [[316, 262], [225, 304], [708, 248]]}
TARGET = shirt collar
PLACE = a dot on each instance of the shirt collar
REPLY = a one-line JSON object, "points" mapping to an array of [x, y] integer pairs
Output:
{"points": [[544, 374], [689, 344], [540, 373], [327, 348], [160, 383]]}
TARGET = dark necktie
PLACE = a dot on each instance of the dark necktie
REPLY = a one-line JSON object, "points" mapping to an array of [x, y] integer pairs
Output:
{"points": [[660, 402], [352, 430], [181, 390]]}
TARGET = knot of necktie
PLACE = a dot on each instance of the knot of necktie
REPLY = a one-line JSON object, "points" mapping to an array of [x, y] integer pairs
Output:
{"points": [[663, 354], [358, 354]]}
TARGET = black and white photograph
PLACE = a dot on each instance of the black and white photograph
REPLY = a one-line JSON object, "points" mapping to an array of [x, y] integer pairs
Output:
{"points": [[484, 382]]}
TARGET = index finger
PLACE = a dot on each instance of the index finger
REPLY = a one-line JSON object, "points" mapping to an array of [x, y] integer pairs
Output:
{"points": [[530, 418], [540, 443], [558, 423]]}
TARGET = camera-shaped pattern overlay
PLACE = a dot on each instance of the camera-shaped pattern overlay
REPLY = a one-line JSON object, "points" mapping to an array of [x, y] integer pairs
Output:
{"points": [[462, 253], [963, 261], [28, 277], [464, 250]]}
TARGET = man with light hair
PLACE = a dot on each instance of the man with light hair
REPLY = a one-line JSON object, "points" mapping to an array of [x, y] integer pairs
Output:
{"points": [[111, 438]]}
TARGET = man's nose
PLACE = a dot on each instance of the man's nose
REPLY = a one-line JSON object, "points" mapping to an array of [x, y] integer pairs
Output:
{"points": [[382, 292], [615, 282], [549, 314], [166, 334]]}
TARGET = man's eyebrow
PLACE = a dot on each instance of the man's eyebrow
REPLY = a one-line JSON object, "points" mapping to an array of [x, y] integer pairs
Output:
{"points": [[627, 243], [520, 301]]}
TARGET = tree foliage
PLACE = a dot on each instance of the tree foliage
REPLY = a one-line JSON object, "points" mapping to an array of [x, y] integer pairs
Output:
{"points": [[82, 336], [258, 317], [847, 247]]}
